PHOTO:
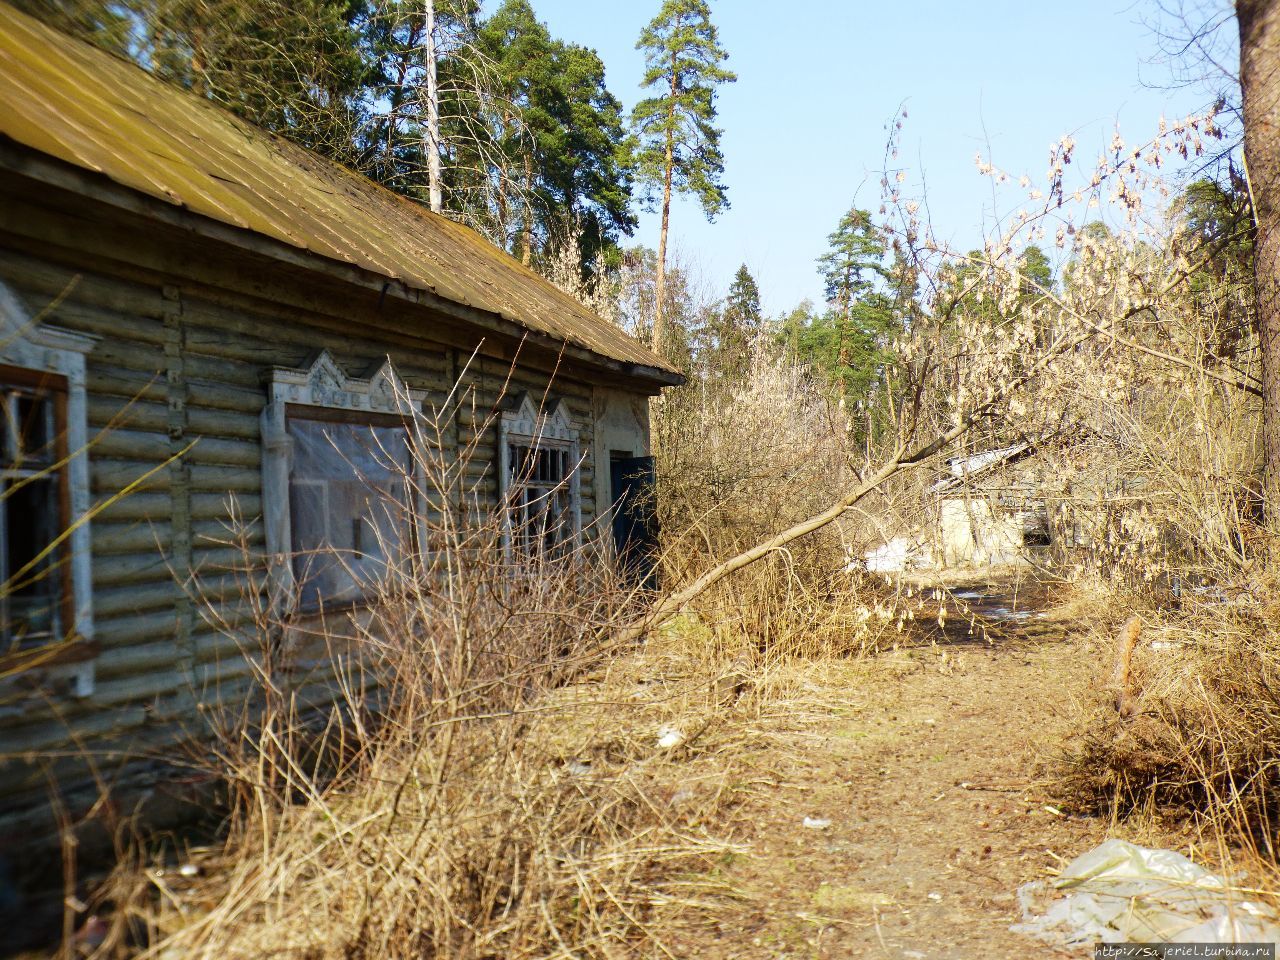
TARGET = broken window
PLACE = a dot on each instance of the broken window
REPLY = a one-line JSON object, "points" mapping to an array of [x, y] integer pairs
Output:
{"points": [[539, 477], [349, 498], [540, 500], [36, 589]]}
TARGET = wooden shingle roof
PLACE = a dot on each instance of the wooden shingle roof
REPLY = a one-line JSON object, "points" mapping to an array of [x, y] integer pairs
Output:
{"points": [[67, 99]]}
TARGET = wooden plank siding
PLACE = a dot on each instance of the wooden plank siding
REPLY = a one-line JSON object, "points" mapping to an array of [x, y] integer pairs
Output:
{"points": [[188, 333]]}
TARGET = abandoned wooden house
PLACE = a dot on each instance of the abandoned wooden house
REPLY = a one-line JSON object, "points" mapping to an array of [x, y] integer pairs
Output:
{"points": [[186, 301], [986, 512]]}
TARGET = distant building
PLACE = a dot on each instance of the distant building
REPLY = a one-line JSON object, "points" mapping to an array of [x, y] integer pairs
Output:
{"points": [[986, 514]]}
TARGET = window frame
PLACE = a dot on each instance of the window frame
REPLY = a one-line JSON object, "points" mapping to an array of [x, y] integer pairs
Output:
{"points": [[53, 387], [548, 428], [52, 359], [320, 391]]}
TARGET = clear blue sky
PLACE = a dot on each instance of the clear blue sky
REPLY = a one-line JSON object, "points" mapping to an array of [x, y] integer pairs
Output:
{"points": [[818, 79]]}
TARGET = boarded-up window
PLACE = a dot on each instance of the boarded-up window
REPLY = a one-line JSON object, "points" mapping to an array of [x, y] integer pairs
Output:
{"points": [[36, 593], [348, 505]]}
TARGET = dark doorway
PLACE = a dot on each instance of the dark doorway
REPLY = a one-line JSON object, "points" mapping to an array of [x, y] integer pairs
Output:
{"points": [[635, 521]]}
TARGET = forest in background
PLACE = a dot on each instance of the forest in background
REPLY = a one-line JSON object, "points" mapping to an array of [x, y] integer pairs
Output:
{"points": [[481, 113], [484, 115]]}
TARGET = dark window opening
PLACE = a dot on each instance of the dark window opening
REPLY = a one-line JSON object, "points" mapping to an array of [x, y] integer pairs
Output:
{"points": [[35, 590], [539, 498], [635, 521]]}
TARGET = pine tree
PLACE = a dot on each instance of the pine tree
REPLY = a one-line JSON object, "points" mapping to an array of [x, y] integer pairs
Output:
{"points": [[102, 22], [523, 56], [850, 343], [1218, 236], [391, 144], [291, 66], [1037, 272], [854, 259], [678, 141], [595, 176], [574, 176], [734, 329], [451, 145]]}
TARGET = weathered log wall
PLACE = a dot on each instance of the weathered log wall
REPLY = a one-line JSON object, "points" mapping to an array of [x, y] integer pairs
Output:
{"points": [[187, 335]]}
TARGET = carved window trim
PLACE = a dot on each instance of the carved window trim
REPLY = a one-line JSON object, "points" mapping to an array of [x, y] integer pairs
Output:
{"points": [[31, 345], [547, 428], [324, 390]]}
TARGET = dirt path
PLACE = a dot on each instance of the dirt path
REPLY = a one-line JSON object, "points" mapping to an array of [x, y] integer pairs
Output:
{"points": [[923, 762]]}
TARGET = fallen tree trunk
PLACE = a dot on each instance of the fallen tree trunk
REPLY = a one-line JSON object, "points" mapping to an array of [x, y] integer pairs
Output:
{"points": [[903, 459]]}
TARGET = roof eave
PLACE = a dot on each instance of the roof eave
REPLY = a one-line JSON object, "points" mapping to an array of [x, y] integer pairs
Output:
{"points": [[23, 161]]}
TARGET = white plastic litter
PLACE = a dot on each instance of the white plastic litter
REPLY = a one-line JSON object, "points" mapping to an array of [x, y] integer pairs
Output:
{"points": [[889, 558], [669, 737], [1004, 613], [816, 823], [1119, 892], [896, 555]]}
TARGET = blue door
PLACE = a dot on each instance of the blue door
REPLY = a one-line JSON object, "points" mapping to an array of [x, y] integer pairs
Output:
{"points": [[635, 519]]}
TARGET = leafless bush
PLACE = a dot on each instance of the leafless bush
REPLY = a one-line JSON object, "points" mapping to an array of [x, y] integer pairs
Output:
{"points": [[1205, 725], [1154, 461], [736, 466], [487, 782], [1145, 427], [1147, 438]]}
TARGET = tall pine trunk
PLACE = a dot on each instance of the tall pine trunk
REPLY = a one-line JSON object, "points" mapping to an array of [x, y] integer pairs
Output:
{"points": [[526, 257], [1259, 22], [432, 144], [660, 335]]}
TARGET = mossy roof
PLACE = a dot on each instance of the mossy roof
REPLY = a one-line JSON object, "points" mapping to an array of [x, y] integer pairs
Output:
{"points": [[65, 98]]}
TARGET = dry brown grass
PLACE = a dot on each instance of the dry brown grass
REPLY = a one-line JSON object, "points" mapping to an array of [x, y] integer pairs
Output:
{"points": [[498, 778], [1149, 461], [736, 464], [560, 829], [1205, 730]]}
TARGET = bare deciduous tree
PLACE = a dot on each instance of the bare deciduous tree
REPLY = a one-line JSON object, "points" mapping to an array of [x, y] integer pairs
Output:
{"points": [[432, 95], [443, 120]]}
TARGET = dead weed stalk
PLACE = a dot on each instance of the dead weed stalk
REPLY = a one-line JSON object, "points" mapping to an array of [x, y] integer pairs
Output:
{"points": [[462, 766]]}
